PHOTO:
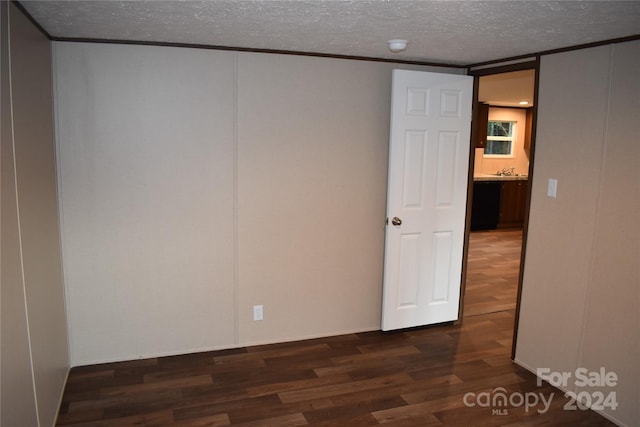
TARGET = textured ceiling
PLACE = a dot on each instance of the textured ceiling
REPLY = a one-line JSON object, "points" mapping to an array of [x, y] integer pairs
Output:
{"points": [[447, 32]]}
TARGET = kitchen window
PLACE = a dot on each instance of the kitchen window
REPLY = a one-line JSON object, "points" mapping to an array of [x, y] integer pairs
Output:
{"points": [[500, 139]]}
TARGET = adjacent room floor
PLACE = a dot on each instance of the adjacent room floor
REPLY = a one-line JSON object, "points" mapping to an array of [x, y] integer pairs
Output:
{"points": [[492, 271], [437, 376]]}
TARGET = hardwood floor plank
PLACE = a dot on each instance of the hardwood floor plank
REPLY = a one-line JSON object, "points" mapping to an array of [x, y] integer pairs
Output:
{"points": [[275, 388], [460, 389], [344, 388], [157, 386], [340, 418], [148, 419], [287, 349], [414, 420], [79, 418], [224, 407], [413, 414], [210, 421], [239, 415], [291, 420], [167, 397]]}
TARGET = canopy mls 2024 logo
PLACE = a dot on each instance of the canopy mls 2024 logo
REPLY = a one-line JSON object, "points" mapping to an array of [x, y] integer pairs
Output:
{"points": [[599, 394]]}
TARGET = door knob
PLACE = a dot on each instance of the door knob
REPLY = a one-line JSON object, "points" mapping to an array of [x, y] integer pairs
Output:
{"points": [[396, 221]]}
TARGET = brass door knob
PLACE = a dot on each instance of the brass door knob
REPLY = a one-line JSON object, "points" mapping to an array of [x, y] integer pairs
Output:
{"points": [[396, 221]]}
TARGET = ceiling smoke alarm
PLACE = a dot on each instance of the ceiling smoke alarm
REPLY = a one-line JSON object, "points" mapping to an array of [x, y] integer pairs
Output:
{"points": [[397, 45]]}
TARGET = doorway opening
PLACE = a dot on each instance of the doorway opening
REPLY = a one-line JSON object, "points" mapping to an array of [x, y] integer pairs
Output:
{"points": [[501, 165]]}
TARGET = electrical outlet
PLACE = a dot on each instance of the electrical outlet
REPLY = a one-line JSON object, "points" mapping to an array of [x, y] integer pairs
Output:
{"points": [[552, 187], [258, 312]]}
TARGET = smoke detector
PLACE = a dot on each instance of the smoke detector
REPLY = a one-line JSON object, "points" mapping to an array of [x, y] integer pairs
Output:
{"points": [[397, 45]]}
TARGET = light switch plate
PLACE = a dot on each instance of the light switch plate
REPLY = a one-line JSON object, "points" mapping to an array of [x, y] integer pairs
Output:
{"points": [[258, 312], [552, 187]]}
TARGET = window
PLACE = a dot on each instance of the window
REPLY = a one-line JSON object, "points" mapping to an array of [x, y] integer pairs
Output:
{"points": [[500, 139]]}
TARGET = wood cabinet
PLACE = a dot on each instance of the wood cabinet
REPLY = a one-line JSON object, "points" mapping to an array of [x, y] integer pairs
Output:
{"points": [[480, 124], [513, 200], [528, 130], [498, 204]]}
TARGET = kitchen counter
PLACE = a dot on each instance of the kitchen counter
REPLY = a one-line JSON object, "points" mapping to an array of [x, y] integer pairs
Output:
{"points": [[494, 177]]}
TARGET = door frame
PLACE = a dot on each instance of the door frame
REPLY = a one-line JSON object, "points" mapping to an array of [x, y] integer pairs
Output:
{"points": [[532, 63]]}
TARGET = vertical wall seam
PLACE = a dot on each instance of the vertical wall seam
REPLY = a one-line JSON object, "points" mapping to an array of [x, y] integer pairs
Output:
{"points": [[600, 189], [19, 225], [59, 198], [56, 157], [59, 191], [236, 320]]}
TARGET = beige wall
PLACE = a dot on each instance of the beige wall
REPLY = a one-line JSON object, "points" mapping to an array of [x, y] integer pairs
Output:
{"points": [[17, 398], [145, 154], [195, 184], [520, 159], [312, 163], [581, 288], [34, 336]]}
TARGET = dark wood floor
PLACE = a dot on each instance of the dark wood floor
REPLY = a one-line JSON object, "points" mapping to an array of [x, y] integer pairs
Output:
{"points": [[416, 377]]}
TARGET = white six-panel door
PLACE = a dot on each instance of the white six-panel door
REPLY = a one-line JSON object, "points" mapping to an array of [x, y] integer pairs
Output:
{"points": [[426, 200]]}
